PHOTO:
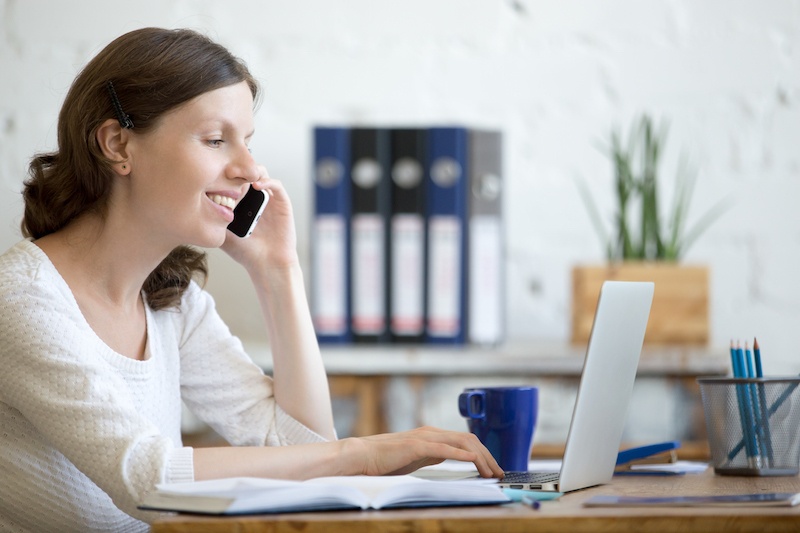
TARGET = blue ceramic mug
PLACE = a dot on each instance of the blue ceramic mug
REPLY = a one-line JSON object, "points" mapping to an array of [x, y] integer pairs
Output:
{"points": [[504, 419]]}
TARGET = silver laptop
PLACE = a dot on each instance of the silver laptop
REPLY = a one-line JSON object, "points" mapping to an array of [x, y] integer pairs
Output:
{"points": [[601, 408]]}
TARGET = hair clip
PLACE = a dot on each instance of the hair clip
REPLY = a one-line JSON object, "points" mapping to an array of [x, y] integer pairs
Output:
{"points": [[124, 119]]}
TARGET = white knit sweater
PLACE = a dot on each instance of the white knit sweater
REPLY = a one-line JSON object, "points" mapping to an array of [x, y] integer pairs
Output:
{"points": [[85, 432]]}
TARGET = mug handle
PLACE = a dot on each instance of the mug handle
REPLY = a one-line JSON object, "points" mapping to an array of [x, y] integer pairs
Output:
{"points": [[465, 404]]}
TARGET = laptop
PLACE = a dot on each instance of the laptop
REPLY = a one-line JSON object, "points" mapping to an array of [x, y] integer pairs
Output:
{"points": [[601, 407]]}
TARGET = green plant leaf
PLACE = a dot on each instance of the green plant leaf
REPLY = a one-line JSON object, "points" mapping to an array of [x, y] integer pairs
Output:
{"points": [[636, 163]]}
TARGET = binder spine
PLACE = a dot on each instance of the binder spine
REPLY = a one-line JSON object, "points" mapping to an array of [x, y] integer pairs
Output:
{"points": [[485, 279], [447, 172], [407, 267], [330, 283], [369, 234]]}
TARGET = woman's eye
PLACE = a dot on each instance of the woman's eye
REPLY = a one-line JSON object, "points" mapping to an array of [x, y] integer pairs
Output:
{"points": [[215, 142]]}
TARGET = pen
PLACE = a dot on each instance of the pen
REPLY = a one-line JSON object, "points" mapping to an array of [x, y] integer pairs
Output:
{"points": [[531, 502]]}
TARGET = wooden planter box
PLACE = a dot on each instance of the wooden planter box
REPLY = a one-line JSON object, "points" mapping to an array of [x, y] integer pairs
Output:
{"points": [[679, 314]]}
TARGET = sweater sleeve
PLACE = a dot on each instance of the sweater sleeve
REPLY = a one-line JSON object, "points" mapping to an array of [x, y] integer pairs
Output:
{"points": [[222, 385]]}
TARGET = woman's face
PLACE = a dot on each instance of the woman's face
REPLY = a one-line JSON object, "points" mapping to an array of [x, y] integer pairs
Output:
{"points": [[193, 167]]}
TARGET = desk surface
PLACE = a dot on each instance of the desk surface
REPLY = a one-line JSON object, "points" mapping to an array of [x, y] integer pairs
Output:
{"points": [[563, 515]]}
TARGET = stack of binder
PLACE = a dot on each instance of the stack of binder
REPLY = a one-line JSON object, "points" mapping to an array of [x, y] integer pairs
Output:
{"points": [[407, 243]]}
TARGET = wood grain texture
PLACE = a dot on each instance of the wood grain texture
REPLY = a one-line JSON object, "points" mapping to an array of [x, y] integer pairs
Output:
{"points": [[564, 515], [679, 314]]}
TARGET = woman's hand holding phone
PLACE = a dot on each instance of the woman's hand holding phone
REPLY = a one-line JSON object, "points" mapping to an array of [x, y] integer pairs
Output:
{"points": [[273, 241], [248, 212]]}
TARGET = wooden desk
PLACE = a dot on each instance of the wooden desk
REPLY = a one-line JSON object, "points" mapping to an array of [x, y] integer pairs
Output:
{"points": [[564, 515]]}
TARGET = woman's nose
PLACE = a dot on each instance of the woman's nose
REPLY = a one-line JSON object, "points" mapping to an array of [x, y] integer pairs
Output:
{"points": [[243, 166]]}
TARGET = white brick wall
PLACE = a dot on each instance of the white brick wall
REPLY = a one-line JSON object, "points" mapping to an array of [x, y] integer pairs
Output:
{"points": [[554, 75]]}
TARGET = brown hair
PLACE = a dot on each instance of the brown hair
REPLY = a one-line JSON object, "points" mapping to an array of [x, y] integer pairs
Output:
{"points": [[153, 70]]}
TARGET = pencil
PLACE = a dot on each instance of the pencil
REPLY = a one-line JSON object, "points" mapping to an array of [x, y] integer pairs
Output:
{"points": [[763, 420], [746, 405], [757, 354], [748, 359], [734, 361], [759, 410], [746, 443]]}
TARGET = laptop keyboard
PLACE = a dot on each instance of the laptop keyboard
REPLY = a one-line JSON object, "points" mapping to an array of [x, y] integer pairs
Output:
{"points": [[530, 477]]}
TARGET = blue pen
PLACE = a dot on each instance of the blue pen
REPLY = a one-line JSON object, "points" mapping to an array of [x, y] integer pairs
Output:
{"points": [[532, 502]]}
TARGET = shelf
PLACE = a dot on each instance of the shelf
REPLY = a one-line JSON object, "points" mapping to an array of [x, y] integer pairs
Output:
{"points": [[538, 358]]}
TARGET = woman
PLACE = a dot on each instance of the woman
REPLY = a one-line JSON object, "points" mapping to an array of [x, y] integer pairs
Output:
{"points": [[105, 328]]}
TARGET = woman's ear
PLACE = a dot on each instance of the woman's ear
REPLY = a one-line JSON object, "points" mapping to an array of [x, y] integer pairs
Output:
{"points": [[113, 142]]}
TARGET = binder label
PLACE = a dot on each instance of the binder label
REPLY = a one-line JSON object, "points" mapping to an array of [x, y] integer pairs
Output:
{"points": [[369, 291], [484, 280], [330, 275], [408, 266], [444, 279]]}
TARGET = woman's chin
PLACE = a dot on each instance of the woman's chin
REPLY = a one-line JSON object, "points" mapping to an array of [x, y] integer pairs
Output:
{"points": [[211, 239]]}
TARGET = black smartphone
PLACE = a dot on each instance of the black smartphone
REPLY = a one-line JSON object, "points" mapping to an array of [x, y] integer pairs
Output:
{"points": [[247, 212]]}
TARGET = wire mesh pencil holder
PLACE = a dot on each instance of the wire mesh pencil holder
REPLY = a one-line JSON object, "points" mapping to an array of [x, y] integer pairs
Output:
{"points": [[753, 425]]}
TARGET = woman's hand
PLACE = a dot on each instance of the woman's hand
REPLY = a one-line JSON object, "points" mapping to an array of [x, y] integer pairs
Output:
{"points": [[387, 454], [401, 453], [273, 243]]}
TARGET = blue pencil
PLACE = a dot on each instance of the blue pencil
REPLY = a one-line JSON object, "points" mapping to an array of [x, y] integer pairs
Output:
{"points": [[746, 443], [757, 353], [763, 420], [748, 359], [734, 362], [753, 403], [746, 404], [787, 392]]}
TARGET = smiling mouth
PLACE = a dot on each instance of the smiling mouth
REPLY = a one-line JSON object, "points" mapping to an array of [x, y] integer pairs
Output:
{"points": [[225, 201]]}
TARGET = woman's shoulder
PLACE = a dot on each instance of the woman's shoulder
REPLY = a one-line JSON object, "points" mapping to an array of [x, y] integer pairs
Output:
{"points": [[23, 264], [195, 314], [195, 300], [27, 279]]}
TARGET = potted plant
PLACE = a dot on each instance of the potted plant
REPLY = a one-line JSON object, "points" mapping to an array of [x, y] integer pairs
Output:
{"points": [[643, 246]]}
